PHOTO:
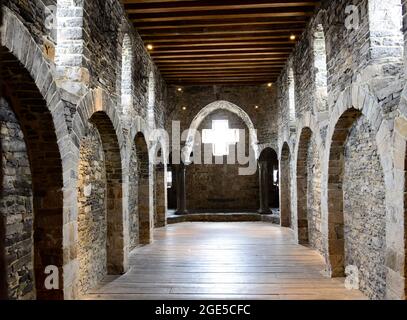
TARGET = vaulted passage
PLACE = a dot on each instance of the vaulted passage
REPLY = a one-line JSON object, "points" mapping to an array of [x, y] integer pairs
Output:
{"points": [[224, 261]]}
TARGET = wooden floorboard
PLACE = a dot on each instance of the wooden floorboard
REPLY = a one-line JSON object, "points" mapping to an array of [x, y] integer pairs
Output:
{"points": [[205, 261]]}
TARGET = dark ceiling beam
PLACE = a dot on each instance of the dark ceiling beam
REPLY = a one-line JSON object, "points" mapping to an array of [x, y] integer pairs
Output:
{"points": [[223, 41], [140, 8]]}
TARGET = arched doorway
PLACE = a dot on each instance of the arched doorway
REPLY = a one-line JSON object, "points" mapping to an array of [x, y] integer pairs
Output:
{"points": [[32, 185], [269, 181], [160, 189], [100, 214], [356, 204], [285, 187], [145, 222], [302, 186], [171, 186]]}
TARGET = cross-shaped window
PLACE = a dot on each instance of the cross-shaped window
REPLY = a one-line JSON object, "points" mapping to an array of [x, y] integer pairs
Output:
{"points": [[221, 137]]}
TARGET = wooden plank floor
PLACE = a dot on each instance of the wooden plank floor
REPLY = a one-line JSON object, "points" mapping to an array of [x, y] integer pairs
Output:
{"points": [[252, 260]]}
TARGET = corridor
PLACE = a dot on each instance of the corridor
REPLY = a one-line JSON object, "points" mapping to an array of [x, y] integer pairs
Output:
{"points": [[223, 261]]}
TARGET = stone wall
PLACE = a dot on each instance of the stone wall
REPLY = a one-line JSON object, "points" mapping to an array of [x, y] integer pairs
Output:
{"points": [[315, 224], [92, 224], [364, 209], [16, 206], [133, 200]]}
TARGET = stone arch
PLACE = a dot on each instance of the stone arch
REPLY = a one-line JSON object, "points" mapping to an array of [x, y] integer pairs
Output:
{"points": [[50, 198], [302, 185], [145, 220], [160, 186], [269, 185], [220, 105], [355, 105], [308, 151], [285, 186], [96, 118]]}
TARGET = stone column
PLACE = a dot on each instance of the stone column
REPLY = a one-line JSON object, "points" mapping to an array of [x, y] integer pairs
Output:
{"points": [[264, 187], [181, 189], [161, 196]]}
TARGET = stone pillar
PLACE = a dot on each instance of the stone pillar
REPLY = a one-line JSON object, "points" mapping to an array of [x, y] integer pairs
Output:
{"points": [[161, 196], [181, 189], [264, 187]]}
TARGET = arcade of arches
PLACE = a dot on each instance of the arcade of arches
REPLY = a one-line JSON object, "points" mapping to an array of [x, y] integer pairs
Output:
{"points": [[139, 166]]}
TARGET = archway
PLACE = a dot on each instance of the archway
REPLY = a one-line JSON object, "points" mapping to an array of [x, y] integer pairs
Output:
{"points": [[32, 185], [160, 189], [268, 161], [302, 186], [356, 203], [143, 190], [100, 216], [171, 185], [285, 186], [214, 181], [220, 105]]}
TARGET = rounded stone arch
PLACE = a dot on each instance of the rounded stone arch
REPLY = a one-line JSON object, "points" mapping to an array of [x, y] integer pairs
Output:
{"points": [[212, 107], [49, 161], [269, 157], [285, 186], [141, 144], [144, 189], [97, 118], [308, 136], [159, 163], [353, 103]]}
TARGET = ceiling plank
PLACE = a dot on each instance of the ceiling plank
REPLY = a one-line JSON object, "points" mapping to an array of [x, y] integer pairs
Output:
{"points": [[223, 41], [136, 8]]}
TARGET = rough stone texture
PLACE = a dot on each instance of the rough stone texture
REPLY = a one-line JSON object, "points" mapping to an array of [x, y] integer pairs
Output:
{"points": [[133, 200], [364, 209], [315, 228], [92, 225], [16, 206]]}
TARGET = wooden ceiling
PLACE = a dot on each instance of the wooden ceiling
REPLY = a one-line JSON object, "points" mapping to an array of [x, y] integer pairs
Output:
{"points": [[220, 41]]}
